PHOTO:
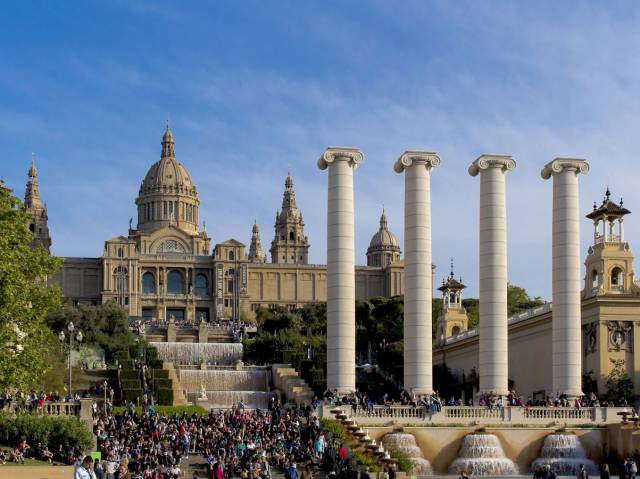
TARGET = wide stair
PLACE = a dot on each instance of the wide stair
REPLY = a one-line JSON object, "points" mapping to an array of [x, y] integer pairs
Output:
{"points": [[289, 382]]}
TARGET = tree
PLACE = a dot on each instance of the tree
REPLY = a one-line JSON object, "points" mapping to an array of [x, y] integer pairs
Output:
{"points": [[105, 325], [519, 300], [619, 385], [25, 299]]}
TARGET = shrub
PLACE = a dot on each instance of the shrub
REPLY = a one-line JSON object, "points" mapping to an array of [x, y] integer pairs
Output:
{"points": [[162, 384], [130, 384], [130, 374], [50, 430], [168, 410], [132, 394], [160, 374], [155, 364], [164, 396], [122, 357], [152, 354]]}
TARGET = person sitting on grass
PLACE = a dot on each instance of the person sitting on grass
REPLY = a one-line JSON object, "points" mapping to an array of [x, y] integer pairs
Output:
{"points": [[3, 457], [17, 456]]}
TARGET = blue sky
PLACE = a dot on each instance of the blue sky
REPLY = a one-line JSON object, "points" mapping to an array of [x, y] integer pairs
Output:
{"points": [[253, 88]]}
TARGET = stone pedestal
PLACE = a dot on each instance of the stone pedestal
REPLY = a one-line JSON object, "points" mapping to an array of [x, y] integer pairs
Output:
{"points": [[493, 333], [341, 323], [566, 312], [171, 333], [203, 332], [418, 351]]}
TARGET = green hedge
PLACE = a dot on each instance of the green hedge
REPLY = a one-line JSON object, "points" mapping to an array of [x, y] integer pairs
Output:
{"points": [[155, 364], [130, 384], [130, 374], [164, 397], [132, 394], [50, 430], [162, 384], [160, 374], [152, 354], [122, 356], [168, 410]]}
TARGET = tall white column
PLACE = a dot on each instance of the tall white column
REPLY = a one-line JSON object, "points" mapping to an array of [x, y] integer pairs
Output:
{"points": [[566, 317], [418, 365], [494, 343], [341, 297]]}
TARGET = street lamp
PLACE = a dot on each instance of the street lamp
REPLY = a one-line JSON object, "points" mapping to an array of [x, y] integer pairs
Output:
{"points": [[71, 328], [105, 384]]}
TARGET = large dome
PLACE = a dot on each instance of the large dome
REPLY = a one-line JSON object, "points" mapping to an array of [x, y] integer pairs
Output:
{"points": [[168, 173], [167, 194]]}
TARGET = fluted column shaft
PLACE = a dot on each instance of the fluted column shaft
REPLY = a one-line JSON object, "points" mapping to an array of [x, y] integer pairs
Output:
{"points": [[566, 281], [418, 362], [493, 332], [341, 321]]}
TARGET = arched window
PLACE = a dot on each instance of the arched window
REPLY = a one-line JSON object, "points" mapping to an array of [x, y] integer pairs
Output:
{"points": [[120, 278], [231, 256], [202, 285], [594, 278], [455, 331], [32, 227], [175, 282], [292, 236], [148, 283], [617, 278]]}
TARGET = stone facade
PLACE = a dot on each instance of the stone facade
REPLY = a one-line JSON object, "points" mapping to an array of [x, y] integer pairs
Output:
{"points": [[165, 267]]}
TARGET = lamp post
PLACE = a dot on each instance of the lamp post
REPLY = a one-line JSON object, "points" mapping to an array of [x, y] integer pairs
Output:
{"points": [[104, 405], [71, 328]]}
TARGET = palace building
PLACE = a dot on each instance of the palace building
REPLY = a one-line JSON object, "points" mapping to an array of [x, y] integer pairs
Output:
{"points": [[610, 318], [165, 267]]}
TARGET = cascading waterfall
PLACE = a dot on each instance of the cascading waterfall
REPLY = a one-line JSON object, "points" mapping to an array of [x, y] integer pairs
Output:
{"points": [[223, 354], [193, 380], [406, 444], [481, 454], [225, 399], [564, 453]]}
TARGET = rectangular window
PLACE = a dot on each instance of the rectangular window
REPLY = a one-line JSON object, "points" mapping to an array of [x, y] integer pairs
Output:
{"points": [[164, 214], [147, 313], [153, 210], [170, 209], [175, 210], [230, 286]]}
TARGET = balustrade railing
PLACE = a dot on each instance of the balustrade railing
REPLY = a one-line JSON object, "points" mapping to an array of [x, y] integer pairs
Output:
{"points": [[481, 415], [49, 408]]}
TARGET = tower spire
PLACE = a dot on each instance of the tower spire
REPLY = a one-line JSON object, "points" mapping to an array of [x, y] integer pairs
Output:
{"points": [[256, 253], [168, 144], [32, 192]]}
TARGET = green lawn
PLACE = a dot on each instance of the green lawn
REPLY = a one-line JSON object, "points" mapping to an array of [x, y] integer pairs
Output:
{"points": [[29, 461]]}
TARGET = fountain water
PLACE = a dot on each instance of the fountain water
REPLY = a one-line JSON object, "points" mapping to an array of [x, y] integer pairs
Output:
{"points": [[481, 455], [225, 399], [406, 444], [196, 353], [223, 380], [564, 453]]}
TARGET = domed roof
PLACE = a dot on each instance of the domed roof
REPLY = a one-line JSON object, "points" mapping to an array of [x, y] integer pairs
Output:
{"points": [[168, 173], [384, 239]]}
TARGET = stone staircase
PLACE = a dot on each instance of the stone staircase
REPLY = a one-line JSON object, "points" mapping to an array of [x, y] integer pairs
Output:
{"points": [[179, 398], [292, 386]]}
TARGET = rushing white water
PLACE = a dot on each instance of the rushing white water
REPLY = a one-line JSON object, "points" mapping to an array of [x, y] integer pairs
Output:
{"points": [[192, 380], [406, 444], [564, 453], [481, 454], [223, 354], [226, 399]]}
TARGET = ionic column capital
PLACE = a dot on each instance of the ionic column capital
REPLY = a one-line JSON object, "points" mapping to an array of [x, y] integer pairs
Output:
{"points": [[336, 153], [560, 165], [411, 158], [484, 162]]}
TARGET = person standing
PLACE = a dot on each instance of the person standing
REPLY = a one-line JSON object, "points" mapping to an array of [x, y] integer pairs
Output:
{"points": [[582, 473], [85, 471], [604, 472]]}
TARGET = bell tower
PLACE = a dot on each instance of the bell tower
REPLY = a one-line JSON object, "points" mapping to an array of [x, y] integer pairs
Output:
{"points": [[453, 318], [36, 212], [609, 262], [290, 245]]}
